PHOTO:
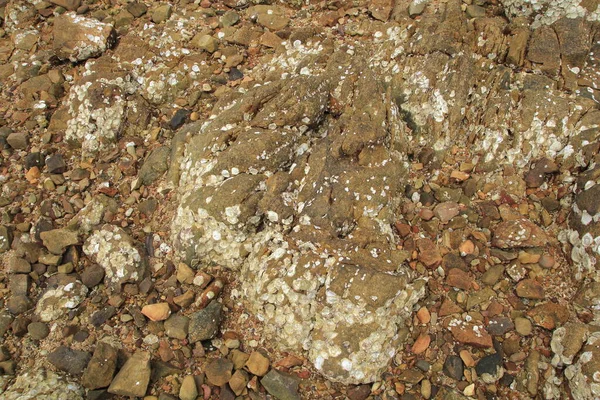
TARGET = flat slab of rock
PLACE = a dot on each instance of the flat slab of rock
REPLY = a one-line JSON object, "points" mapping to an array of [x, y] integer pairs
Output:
{"points": [[470, 333], [57, 240], [78, 38], [132, 380], [101, 368], [280, 385], [519, 233], [69, 360]]}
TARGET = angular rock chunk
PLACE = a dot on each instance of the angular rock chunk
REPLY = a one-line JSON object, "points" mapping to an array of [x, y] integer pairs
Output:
{"points": [[132, 380], [113, 249], [101, 368], [204, 324], [78, 38], [57, 240], [57, 302], [280, 385], [69, 360]]}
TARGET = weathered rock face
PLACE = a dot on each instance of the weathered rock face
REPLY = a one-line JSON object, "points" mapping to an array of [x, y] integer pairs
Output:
{"points": [[78, 38], [296, 187]]}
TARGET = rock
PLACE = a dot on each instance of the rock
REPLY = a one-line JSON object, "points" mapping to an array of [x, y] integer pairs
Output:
{"points": [[155, 165], [230, 18], [114, 251], [132, 380], [453, 367], [70, 5], [498, 326], [239, 358], [489, 368], [5, 239], [57, 302], [271, 17], [161, 13], [411, 376], [421, 344], [238, 381], [416, 8], [177, 326], [533, 372], [40, 383], [5, 321], [78, 38], [179, 119], [360, 392], [71, 361], [567, 341], [530, 289], [257, 364], [19, 284], [38, 330], [56, 164], [18, 265], [137, 9], [188, 389], [8, 367], [470, 333], [280, 385], [459, 279], [546, 261], [218, 372], [475, 11], [101, 316], [157, 312], [185, 274], [101, 368], [204, 324], [446, 211], [205, 42], [18, 304], [381, 9], [429, 253], [519, 233], [57, 240], [92, 275], [523, 326], [18, 140], [549, 315]]}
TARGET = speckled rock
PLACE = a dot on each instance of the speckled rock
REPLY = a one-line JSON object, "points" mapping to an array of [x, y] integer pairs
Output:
{"points": [[204, 324], [281, 385], [566, 342], [57, 302], [113, 249], [583, 374], [43, 384], [78, 38]]}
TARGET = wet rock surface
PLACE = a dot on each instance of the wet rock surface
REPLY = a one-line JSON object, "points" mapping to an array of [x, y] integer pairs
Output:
{"points": [[331, 200]]}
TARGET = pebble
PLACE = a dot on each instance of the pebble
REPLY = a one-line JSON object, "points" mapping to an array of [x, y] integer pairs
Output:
{"points": [[18, 265], [177, 326], [489, 368], [426, 388], [157, 312], [18, 304], [453, 367], [18, 140], [238, 382], [132, 380], [101, 316], [218, 372], [71, 361], [498, 326], [38, 330], [188, 389], [530, 289], [101, 368], [546, 261], [424, 315], [161, 13], [281, 385], [55, 164], [204, 324], [467, 358], [472, 334], [523, 326], [421, 344], [549, 315], [137, 9], [257, 364]]}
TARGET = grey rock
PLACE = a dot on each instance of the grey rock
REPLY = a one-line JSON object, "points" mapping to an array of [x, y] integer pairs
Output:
{"points": [[498, 326], [56, 164], [19, 284], [101, 368], [92, 275], [475, 11], [137, 9], [230, 18], [71, 361], [416, 8], [18, 140], [161, 13], [454, 367], [18, 304], [133, 378], [155, 165], [204, 324], [177, 326], [38, 330], [280, 385], [581, 375], [101, 316], [489, 368]]}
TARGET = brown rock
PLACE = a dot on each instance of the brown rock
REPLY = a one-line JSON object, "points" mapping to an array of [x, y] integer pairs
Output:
{"points": [[101, 368], [218, 372], [519, 233], [549, 315], [424, 315], [530, 289], [70, 5], [257, 364], [78, 38], [421, 344], [157, 312], [429, 253], [470, 333], [459, 279], [448, 307], [132, 380], [381, 9], [467, 358], [446, 211], [238, 381]]}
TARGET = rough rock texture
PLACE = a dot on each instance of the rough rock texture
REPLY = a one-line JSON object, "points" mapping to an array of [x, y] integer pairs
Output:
{"points": [[322, 272], [57, 302], [43, 384], [78, 38], [114, 250]]}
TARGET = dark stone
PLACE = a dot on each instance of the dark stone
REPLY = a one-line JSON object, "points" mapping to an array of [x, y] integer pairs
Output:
{"points": [[489, 365], [38, 330], [18, 304], [280, 385], [34, 160], [204, 324], [234, 74], [498, 326], [454, 367], [92, 275], [56, 164], [359, 392], [81, 336], [69, 360], [506, 380], [101, 368], [101, 316], [19, 326], [179, 118], [423, 365], [137, 9]]}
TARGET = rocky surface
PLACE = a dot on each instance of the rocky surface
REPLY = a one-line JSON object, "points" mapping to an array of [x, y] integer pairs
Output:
{"points": [[381, 199]]}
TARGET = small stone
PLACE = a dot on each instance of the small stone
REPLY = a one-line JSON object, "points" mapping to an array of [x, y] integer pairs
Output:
{"points": [[549, 315], [101, 316], [257, 364], [411, 376], [157, 312], [470, 333], [530, 289], [230, 18], [416, 8], [498, 326], [459, 279], [132, 380], [101, 368], [179, 119], [271, 17], [5, 320], [280, 385], [185, 274], [429, 253], [360, 392], [56, 164], [234, 74], [92, 275], [467, 358], [19, 284], [18, 265], [493, 274], [421, 344], [453, 367], [489, 368], [469, 390], [523, 326], [204, 324], [426, 389], [38, 330], [528, 258], [519, 233], [137, 9], [218, 372], [423, 365], [5, 239], [204, 42], [238, 382], [71, 361], [185, 300], [546, 261], [475, 11], [162, 13], [446, 211], [177, 326], [239, 358], [34, 159], [424, 315], [57, 240], [188, 389], [18, 304], [18, 140]]}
